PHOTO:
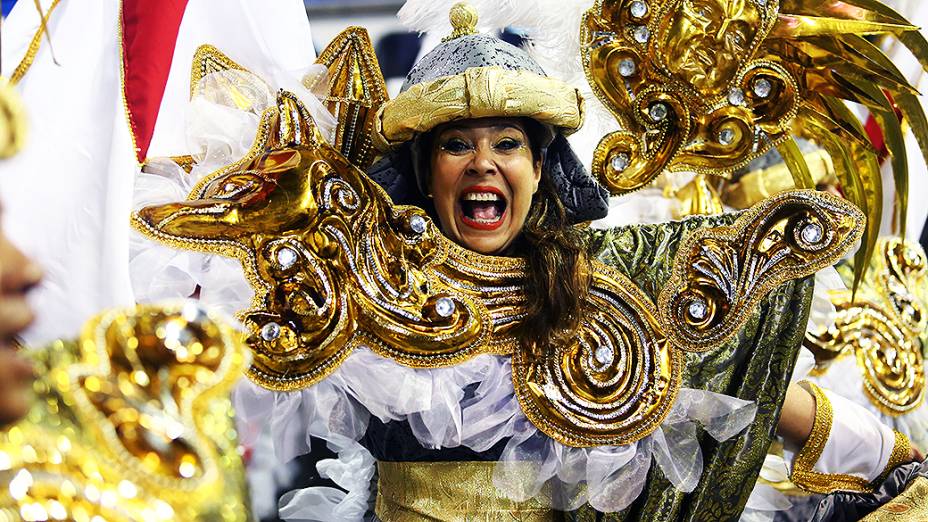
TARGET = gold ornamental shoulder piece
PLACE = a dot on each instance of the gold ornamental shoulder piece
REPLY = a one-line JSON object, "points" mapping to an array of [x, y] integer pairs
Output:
{"points": [[132, 422], [883, 327], [720, 274], [336, 265]]}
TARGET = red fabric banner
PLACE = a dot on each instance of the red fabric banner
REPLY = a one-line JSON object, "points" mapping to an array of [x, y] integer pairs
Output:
{"points": [[149, 33]]}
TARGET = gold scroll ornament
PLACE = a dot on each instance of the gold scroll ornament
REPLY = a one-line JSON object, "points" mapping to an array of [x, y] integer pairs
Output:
{"points": [[336, 266], [132, 422], [883, 327]]}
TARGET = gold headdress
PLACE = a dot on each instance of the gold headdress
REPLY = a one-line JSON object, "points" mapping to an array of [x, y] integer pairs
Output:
{"points": [[708, 85]]}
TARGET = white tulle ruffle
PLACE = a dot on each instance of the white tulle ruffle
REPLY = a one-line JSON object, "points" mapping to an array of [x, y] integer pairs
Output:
{"points": [[442, 415]]}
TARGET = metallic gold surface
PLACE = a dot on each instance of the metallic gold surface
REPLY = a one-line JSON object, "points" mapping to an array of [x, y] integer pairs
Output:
{"points": [[132, 422], [696, 198], [453, 492], [883, 327], [463, 18], [479, 92], [12, 120], [720, 273], [335, 265], [708, 85], [355, 89], [760, 184]]}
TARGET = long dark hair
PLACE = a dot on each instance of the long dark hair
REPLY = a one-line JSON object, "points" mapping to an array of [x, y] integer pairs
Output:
{"points": [[558, 277]]}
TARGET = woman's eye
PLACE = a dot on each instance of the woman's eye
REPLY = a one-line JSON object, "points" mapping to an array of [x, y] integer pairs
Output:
{"points": [[508, 144], [456, 146]]}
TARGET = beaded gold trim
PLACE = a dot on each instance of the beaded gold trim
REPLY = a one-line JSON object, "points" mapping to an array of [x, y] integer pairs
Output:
{"points": [[803, 474]]}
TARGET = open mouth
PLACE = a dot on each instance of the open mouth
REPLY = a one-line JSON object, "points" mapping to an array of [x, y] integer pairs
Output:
{"points": [[483, 208]]}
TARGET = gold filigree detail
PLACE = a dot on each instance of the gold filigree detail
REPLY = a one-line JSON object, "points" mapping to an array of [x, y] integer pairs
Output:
{"points": [[335, 266], [883, 327], [720, 274], [709, 85], [910, 506], [133, 423]]}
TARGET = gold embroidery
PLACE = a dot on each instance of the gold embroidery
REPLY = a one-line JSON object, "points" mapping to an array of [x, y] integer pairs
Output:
{"points": [[884, 327], [807, 478], [910, 506], [453, 491], [132, 422]]}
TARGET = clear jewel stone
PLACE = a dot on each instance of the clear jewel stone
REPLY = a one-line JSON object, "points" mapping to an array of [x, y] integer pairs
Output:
{"points": [[286, 256], [444, 307], [270, 331], [641, 34], [627, 67], [638, 9], [604, 355], [551, 392], [762, 87], [736, 96], [620, 162], [811, 233], [761, 3], [727, 137], [417, 224], [658, 111], [229, 187], [697, 309]]}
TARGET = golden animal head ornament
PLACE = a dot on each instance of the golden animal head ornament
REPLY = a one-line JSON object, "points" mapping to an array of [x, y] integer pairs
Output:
{"points": [[132, 422], [708, 85]]}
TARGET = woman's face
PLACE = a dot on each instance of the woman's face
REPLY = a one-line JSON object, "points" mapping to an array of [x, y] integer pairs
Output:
{"points": [[483, 177]]}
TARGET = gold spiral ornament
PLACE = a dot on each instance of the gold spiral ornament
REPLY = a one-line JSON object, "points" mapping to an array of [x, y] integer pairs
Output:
{"points": [[12, 120], [611, 385]]}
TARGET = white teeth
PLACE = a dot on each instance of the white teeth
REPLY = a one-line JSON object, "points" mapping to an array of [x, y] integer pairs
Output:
{"points": [[487, 221], [481, 196]]}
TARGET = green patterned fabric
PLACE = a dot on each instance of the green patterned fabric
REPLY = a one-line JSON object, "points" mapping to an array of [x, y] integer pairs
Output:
{"points": [[755, 365]]}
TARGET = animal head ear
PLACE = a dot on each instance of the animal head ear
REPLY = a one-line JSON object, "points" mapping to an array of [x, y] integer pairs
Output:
{"points": [[293, 125], [353, 90]]}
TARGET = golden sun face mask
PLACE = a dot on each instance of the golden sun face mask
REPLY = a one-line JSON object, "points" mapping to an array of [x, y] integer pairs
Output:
{"points": [[706, 86]]}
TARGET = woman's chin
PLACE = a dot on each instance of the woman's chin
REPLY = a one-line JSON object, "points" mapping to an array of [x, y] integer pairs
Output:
{"points": [[485, 243]]}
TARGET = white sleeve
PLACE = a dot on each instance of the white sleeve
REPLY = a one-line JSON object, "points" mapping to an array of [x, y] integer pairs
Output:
{"points": [[849, 448]]}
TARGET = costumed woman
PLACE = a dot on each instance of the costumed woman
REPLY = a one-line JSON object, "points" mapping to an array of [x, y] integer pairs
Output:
{"points": [[481, 384]]}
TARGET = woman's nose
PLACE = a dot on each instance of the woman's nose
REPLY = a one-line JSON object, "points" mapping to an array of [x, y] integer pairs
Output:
{"points": [[484, 162]]}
